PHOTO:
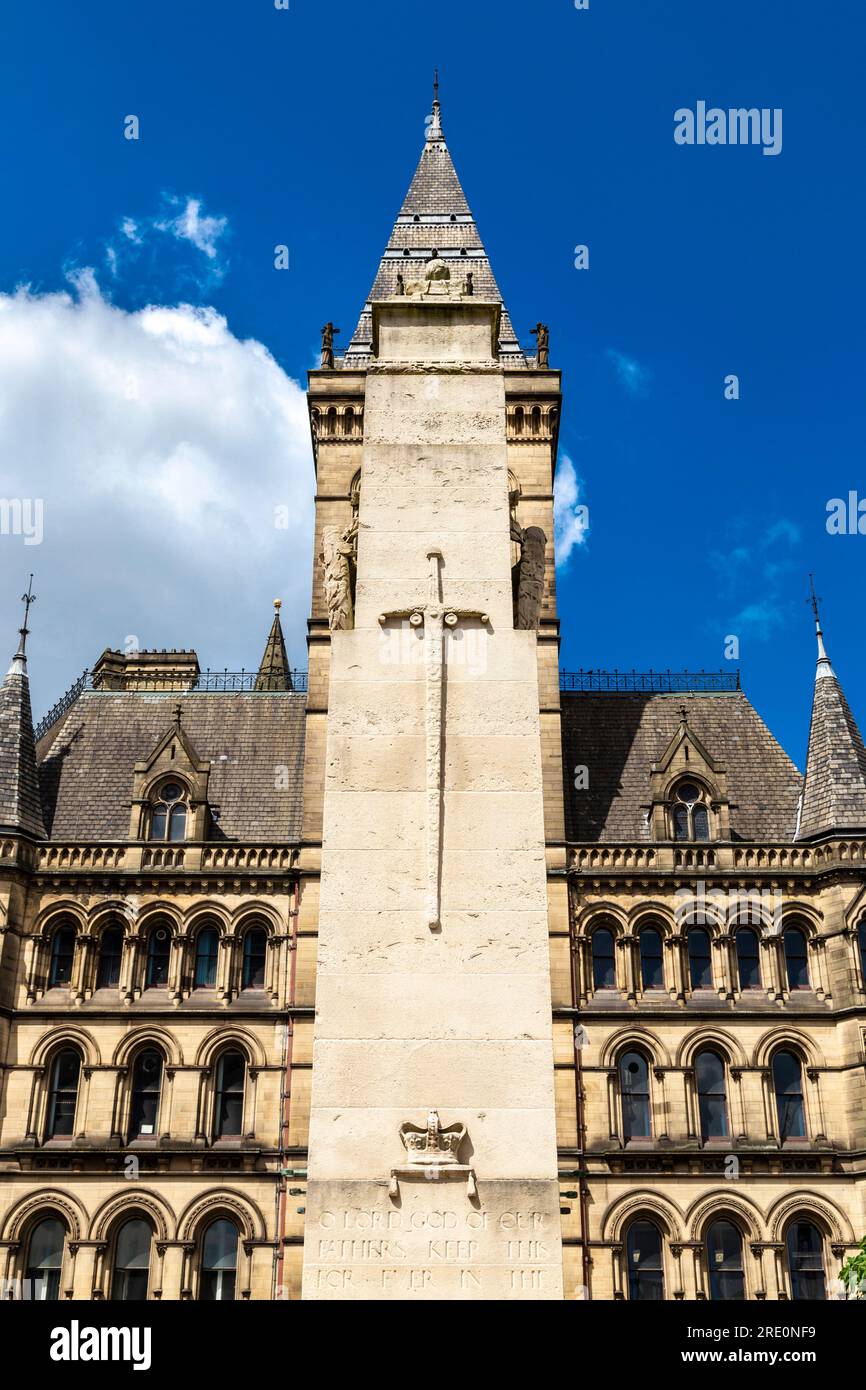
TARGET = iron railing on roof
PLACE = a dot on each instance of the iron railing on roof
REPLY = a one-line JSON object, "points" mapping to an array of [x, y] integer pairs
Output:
{"points": [[651, 682], [162, 682]]}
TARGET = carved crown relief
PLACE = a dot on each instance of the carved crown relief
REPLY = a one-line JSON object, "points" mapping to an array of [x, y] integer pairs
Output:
{"points": [[432, 1151]]}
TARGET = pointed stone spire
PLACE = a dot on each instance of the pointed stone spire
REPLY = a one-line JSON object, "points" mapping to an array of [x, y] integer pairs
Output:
{"points": [[435, 213], [274, 672], [20, 803], [834, 790]]}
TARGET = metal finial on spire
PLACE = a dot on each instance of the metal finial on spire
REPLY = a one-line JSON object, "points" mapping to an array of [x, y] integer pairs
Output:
{"points": [[433, 122], [824, 667], [19, 661], [178, 714]]}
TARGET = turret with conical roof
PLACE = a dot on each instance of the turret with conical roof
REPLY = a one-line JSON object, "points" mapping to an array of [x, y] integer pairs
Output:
{"points": [[20, 803], [834, 791], [435, 216], [274, 672]]}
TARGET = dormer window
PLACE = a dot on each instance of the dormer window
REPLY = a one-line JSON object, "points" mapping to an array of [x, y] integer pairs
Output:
{"points": [[691, 818], [168, 816]]}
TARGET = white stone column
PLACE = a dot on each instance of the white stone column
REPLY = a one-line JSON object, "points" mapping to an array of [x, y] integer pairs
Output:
{"points": [[414, 1015]]}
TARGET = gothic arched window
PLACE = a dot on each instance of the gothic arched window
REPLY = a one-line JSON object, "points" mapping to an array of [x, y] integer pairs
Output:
{"points": [[652, 971], [700, 959], [255, 948], [691, 819], [229, 1098], [158, 955], [168, 813], [861, 937], [45, 1259], [603, 959], [146, 1085], [62, 956], [748, 958], [634, 1093], [806, 1262], [63, 1094], [110, 954], [646, 1280], [712, 1102], [131, 1262], [206, 949], [796, 959], [788, 1088], [219, 1258], [725, 1262]]}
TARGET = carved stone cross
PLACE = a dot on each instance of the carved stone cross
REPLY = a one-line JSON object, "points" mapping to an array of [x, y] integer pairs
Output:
{"points": [[434, 617]]}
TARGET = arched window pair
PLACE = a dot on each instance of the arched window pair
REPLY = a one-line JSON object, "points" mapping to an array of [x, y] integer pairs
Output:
{"points": [[62, 955], [634, 1086], [168, 812], [253, 960], [604, 959], [691, 818], [130, 1277], [795, 946], [646, 1280]]}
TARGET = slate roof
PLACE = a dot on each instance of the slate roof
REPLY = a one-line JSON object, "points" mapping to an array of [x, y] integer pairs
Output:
{"points": [[618, 737], [435, 213], [87, 760], [20, 807], [834, 794]]}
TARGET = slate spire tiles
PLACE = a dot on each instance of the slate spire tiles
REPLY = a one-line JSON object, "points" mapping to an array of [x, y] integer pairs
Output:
{"points": [[834, 792], [434, 213], [274, 672], [20, 804]]}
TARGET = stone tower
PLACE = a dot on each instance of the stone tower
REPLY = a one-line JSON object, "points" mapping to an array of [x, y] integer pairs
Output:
{"points": [[432, 1149]]}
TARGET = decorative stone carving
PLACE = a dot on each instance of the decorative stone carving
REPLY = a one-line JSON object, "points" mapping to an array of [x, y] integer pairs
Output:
{"points": [[542, 335], [530, 589], [433, 1151], [437, 282], [328, 345], [338, 555]]}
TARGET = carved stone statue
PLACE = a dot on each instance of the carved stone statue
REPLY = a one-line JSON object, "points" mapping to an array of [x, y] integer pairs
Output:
{"points": [[530, 592], [338, 555], [469, 288], [401, 287], [328, 344], [542, 334], [436, 268]]}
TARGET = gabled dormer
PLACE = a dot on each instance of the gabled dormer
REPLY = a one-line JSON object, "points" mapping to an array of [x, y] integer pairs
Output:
{"points": [[169, 795], [689, 790]]}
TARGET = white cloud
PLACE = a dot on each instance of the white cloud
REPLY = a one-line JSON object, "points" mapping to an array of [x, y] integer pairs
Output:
{"points": [[632, 376], [161, 446], [570, 517], [180, 241], [189, 225]]}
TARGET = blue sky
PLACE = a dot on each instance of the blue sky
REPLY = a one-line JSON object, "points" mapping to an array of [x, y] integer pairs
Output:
{"points": [[261, 127]]}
